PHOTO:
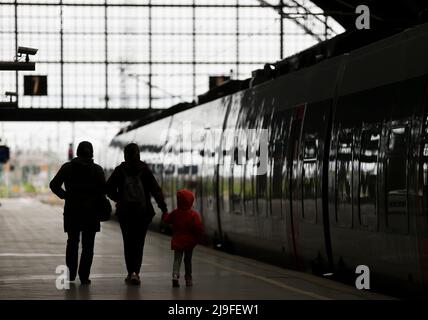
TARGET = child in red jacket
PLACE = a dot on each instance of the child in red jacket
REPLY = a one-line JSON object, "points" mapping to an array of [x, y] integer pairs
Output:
{"points": [[186, 231]]}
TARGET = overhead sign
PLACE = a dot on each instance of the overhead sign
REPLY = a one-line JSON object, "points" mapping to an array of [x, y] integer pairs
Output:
{"points": [[35, 85]]}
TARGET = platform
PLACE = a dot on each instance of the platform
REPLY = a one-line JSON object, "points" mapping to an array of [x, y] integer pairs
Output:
{"points": [[33, 245]]}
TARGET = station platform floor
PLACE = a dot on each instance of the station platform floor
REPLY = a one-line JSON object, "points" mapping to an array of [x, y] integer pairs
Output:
{"points": [[32, 245]]}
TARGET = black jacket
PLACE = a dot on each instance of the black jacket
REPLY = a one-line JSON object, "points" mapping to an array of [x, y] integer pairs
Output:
{"points": [[84, 183], [151, 187]]}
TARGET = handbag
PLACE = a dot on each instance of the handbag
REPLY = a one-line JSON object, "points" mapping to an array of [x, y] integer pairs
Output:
{"points": [[104, 209], [102, 205]]}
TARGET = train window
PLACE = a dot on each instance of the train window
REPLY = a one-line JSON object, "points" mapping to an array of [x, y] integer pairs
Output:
{"points": [[277, 169], [396, 178], [236, 189], [293, 160], [397, 141], [225, 171], [311, 147], [226, 191], [261, 194], [277, 152], [311, 154], [169, 169], [424, 159], [277, 176], [368, 172], [249, 200], [344, 177], [310, 176], [259, 176], [237, 176]]}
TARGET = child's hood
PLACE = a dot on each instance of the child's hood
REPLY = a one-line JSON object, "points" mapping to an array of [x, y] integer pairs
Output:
{"points": [[185, 199]]}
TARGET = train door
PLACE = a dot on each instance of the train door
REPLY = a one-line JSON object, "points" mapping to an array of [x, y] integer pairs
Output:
{"points": [[396, 164], [422, 193], [168, 184], [229, 177], [367, 174], [308, 142], [297, 115], [209, 185], [279, 183]]}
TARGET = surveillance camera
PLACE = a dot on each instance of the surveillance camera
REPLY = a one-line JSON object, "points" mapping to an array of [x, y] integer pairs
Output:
{"points": [[9, 93], [25, 50]]}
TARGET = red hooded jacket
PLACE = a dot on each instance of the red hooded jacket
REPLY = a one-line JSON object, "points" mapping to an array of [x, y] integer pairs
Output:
{"points": [[186, 224]]}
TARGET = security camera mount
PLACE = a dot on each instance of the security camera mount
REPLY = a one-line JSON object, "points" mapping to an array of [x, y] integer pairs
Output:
{"points": [[27, 51]]}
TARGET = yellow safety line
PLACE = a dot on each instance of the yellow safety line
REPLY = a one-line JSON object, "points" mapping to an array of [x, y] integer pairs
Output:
{"points": [[315, 281], [270, 281]]}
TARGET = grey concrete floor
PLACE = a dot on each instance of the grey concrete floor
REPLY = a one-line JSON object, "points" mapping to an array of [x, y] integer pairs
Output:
{"points": [[33, 245]]}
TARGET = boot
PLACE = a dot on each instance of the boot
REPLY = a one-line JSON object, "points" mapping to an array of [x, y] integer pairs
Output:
{"points": [[175, 282], [189, 281]]}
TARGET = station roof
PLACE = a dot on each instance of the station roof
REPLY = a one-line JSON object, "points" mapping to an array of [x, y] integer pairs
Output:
{"points": [[387, 17]]}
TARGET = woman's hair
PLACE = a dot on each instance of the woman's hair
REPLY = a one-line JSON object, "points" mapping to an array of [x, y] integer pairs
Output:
{"points": [[132, 152]]}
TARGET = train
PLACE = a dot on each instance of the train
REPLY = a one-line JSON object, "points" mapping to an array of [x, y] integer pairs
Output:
{"points": [[322, 168]]}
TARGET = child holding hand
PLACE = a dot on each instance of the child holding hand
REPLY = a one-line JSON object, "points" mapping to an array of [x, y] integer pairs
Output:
{"points": [[187, 231]]}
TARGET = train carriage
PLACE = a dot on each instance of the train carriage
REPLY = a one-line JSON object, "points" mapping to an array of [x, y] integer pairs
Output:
{"points": [[345, 182]]}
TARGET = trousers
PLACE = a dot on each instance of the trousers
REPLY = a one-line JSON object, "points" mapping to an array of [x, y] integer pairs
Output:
{"points": [[134, 236], [178, 256], [86, 257]]}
